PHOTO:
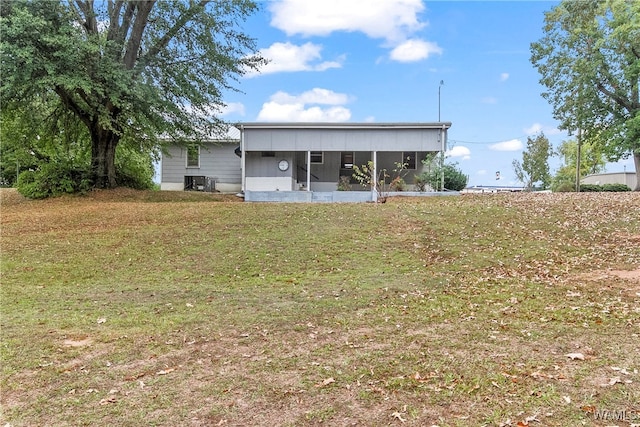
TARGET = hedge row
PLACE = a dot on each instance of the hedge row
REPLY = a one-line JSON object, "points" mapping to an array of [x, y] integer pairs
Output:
{"points": [[588, 188]]}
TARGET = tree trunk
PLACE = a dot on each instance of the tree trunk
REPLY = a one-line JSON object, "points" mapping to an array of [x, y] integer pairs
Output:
{"points": [[103, 156], [636, 162]]}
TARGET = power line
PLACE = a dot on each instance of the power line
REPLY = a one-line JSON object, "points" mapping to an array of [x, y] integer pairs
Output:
{"points": [[457, 141]]}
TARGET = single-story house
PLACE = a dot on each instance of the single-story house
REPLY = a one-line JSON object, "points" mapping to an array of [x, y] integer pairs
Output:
{"points": [[302, 161]]}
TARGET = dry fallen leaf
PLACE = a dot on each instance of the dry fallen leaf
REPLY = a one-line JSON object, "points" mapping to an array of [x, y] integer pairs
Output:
{"points": [[108, 400], [398, 416], [101, 320], [612, 381], [165, 371], [326, 382], [574, 356], [623, 371]]}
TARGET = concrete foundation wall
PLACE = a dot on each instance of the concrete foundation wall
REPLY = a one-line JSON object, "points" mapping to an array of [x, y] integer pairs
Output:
{"points": [[269, 183], [330, 196]]}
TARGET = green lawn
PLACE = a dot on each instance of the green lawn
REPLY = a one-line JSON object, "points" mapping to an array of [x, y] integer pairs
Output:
{"points": [[139, 308]]}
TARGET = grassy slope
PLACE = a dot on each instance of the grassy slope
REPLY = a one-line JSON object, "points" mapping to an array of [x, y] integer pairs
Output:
{"points": [[127, 308]]}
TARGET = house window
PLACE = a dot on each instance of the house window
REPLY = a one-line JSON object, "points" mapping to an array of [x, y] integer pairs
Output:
{"points": [[317, 157], [346, 160], [409, 158], [193, 156]]}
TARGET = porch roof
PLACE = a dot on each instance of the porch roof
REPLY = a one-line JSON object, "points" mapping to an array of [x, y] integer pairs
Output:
{"points": [[327, 136], [344, 125]]}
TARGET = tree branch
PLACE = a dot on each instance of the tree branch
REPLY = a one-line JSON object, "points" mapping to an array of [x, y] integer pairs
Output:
{"points": [[120, 33], [90, 22], [181, 22], [113, 10], [622, 102], [135, 40], [68, 100]]}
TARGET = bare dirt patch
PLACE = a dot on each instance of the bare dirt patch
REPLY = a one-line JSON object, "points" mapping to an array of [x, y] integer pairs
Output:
{"points": [[10, 196], [599, 275], [625, 281], [77, 343], [633, 275]]}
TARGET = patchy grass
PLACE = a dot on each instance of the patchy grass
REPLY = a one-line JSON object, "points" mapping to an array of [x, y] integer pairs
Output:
{"points": [[130, 308]]}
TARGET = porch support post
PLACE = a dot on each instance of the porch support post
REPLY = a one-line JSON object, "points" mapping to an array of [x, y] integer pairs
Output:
{"points": [[374, 176], [308, 170], [243, 157], [442, 138]]}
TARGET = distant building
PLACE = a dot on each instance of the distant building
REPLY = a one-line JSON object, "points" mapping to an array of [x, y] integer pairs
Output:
{"points": [[492, 189], [626, 178]]}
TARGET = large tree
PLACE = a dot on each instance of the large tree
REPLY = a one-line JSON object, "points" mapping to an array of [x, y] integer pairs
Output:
{"points": [[533, 171], [592, 161], [134, 71], [589, 62], [31, 138]]}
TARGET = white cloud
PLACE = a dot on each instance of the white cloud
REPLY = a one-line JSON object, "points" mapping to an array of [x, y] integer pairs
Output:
{"points": [[504, 77], [459, 151], [394, 21], [306, 107], [533, 129], [391, 20], [313, 96], [489, 100], [370, 119], [482, 172], [287, 57], [231, 108], [511, 145], [536, 128], [414, 50]]}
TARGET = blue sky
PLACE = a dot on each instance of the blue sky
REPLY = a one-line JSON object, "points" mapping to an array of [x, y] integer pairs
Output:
{"points": [[383, 61]]}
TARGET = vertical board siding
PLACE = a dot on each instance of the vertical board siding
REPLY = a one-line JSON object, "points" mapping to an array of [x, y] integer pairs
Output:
{"points": [[342, 139]]}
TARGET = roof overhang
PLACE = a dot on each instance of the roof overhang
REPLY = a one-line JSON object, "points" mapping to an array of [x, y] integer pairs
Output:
{"points": [[347, 125]]}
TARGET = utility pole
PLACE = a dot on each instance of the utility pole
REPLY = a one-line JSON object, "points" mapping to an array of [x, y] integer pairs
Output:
{"points": [[441, 140], [442, 137], [439, 87], [578, 156]]}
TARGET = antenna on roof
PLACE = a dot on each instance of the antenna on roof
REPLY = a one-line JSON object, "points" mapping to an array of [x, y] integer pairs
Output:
{"points": [[439, 87]]}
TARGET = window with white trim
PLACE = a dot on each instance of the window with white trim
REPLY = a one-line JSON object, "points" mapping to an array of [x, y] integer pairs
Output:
{"points": [[317, 157], [193, 156]]}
